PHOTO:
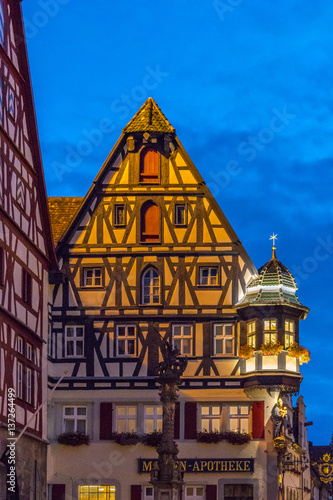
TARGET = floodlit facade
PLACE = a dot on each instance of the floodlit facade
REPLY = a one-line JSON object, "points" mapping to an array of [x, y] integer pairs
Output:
{"points": [[149, 255]]}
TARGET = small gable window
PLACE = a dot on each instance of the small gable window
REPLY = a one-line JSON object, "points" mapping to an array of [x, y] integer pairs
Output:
{"points": [[149, 166], [151, 287], [180, 215], [119, 215], [150, 223], [92, 276]]}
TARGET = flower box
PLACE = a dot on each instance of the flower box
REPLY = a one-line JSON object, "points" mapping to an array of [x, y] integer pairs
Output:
{"points": [[299, 352], [73, 438], [270, 349], [215, 437]]}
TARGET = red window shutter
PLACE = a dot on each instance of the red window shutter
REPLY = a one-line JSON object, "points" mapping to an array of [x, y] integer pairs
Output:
{"points": [[150, 223], [190, 420], [105, 421], [211, 492], [135, 492], [149, 166], [258, 420], [58, 491], [177, 421]]}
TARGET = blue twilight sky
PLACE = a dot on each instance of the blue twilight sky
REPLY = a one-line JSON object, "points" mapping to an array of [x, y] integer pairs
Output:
{"points": [[247, 84]]}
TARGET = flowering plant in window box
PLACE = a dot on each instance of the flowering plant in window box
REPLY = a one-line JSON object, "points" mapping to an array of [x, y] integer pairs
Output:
{"points": [[246, 351], [152, 439], [215, 437], [299, 352], [73, 438], [125, 438], [270, 348]]}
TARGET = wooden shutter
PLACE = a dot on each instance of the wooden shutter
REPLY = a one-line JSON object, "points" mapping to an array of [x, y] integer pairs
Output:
{"points": [[150, 223], [211, 492], [177, 421], [190, 420], [58, 492], [135, 492], [149, 166], [258, 420], [105, 421]]}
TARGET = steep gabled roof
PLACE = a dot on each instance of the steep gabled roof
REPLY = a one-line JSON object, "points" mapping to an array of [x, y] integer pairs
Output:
{"points": [[62, 211], [149, 118]]}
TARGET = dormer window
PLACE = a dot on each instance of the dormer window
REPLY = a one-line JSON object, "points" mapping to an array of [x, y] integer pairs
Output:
{"points": [[270, 333], [149, 166]]}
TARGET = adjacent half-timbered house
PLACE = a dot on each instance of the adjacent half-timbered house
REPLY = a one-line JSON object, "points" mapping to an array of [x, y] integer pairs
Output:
{"points": [[149, 255], [25, 254]]}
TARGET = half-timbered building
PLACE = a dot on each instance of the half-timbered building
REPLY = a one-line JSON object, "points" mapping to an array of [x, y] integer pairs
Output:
{"points": [[149, 255], [25, 254]]}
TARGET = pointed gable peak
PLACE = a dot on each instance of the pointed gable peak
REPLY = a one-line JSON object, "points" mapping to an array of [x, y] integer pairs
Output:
{"points": [[149, 118]]}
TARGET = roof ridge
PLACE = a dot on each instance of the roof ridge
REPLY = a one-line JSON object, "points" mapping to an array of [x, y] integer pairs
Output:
{"points": [[149, 118]]}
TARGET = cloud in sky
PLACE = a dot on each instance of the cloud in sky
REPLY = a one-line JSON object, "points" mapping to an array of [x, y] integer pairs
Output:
{"points": [[220, 83]]}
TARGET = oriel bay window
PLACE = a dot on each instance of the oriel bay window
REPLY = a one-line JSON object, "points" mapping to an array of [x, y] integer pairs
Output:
{"points": [[182, 338], [75, 419], [126, 419], [153, 418], [210, 418], [150, 286], [239, 418], [270, 331], [289, 335], [74, 341], [224, 340], [251, 334], [126, 340]]}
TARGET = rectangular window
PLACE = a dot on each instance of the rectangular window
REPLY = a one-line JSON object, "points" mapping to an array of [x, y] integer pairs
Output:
{"points": [[74, 341], [211, 416], [182, 338], [239, 416], [237, 491], [75, 419], [126, 340], [26, 287], [289, 336], [119, 215], [208, 276], [30, 352], [251, 333], [19, 380], [148, 493], [126, 419], [97, 492], [180, 215], [270, 332], [92, 276], [194, 493], [153, 418], [224, 340], [20, 345], [29, 386], [2, 264]]}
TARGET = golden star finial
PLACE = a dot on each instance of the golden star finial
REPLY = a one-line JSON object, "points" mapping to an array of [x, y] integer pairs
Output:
{"points": [[273, 237]]}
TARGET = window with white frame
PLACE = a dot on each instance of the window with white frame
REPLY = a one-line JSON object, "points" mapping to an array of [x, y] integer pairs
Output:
{"points": [[151, 287], [153, 416], [20, 345], [289, 335], [75, 419], [251, 333], [19, 380], [224, 340], [126, 340], [270, 332], [148, 493], [182, 338], [92, 276], [239, 416], [210, 418], [208, 276], [29, 386], [99, 492], [194, 492], [30, 352], [126, 419], [74, 341]]}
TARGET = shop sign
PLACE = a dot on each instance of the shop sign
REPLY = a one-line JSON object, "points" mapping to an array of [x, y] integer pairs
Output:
{"points": [[198, 465]]}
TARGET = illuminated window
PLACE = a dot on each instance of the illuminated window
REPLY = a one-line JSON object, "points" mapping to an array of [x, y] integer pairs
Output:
{"points": [[74, 341], [208, 276], [239, 418], [149, 166], [26, 287], [224, 340], [20, 345], [194, 492], [75, 419], [153, 418], [289, 336], [180, 215], [210, 418], [151, 287], [150, 223], [270, 333], [29, 385], [251, 334], [97, 492], [237, 491], [182, 338], [19, 380], [148, 493], [92, 276], [119, 215], [126, 340], [126, 419], [2, 25]]}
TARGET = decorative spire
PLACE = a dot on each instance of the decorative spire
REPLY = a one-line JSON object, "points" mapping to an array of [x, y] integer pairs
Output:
{"points": [[273, 237]]}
